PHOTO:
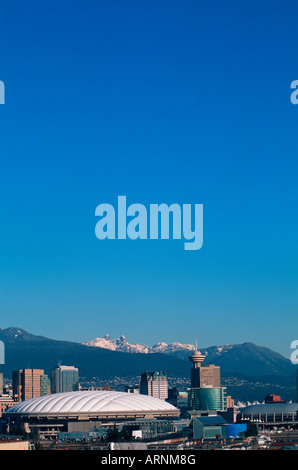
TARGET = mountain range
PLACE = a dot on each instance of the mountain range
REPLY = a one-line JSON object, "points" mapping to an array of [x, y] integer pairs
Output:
{"points": [[242, 365], [182, 351], [255, 360], [25, 350]]}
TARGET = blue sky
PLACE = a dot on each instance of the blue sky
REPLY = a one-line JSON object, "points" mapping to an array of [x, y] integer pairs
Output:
{"points": [[185, 102]]}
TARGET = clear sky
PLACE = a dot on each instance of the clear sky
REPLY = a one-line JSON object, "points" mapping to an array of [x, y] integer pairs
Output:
{"points": [[164, 102]]}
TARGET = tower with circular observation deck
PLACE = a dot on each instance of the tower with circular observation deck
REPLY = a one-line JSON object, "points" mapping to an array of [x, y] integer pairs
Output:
{"points": [[196, 358], [205, 393]]}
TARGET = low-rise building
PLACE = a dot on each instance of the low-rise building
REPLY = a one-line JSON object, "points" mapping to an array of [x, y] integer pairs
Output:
{"points": [[212, 427]]}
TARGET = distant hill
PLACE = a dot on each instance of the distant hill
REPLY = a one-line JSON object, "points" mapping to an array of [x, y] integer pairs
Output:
{"points": [[24, 350], [235, 358], [249, 359], [247, 370]]}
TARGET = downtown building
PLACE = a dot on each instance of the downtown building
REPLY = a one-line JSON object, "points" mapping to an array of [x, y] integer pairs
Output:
{"points": [[29, 383], [6, 399], [154, 384], [64, 379], [205, 394]]}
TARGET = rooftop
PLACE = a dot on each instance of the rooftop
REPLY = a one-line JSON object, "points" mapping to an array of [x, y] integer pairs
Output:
{"points": [[92, 402]]}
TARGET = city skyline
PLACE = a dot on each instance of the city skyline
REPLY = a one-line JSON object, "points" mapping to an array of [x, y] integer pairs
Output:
{"points": [[185, 103]]}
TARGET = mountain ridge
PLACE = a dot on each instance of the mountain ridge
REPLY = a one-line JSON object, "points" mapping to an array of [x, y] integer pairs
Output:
{"points": [[255, 360], [226, 356], [121, 344], [249, 372], [24, 350]]}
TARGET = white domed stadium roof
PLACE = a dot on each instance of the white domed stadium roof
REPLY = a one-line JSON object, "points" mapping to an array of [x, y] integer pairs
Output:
{"points": [[94, 402]]}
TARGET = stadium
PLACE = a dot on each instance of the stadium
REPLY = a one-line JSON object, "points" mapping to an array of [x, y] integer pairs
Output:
{"points": [[85, 410], [271, 414]]}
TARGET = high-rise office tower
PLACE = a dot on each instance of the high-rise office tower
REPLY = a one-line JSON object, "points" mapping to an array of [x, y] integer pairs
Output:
{"points": [[230, 402], [203, 375], [29, 383], [206, 392], [64, 379], [45, 386], [1, 383], [154, 384], [210, 375]]}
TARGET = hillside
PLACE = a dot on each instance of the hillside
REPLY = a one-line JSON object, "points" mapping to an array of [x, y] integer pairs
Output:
{"points": [[247, 370], [24, 350]]}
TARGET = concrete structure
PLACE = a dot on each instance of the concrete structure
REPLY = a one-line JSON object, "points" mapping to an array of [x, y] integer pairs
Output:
{"points": [[202, 375], [132, 389], [154, 384], [64, 379], [230, 402], [29, 383], [196, 359], [85, 410], [14, 444], [5, 402], [210, 375]]}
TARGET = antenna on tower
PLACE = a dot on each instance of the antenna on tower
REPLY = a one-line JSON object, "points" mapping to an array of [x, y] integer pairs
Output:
{"points": [[196, 345]]}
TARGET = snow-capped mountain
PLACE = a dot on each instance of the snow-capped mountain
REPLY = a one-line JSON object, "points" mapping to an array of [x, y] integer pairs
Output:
{"points": [[120, 344], [234, 358], [249, 371], [182, 351]]}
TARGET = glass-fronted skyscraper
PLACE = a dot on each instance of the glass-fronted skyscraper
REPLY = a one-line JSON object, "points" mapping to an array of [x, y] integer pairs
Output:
{"points": [[64, 379], [207, 399]]}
